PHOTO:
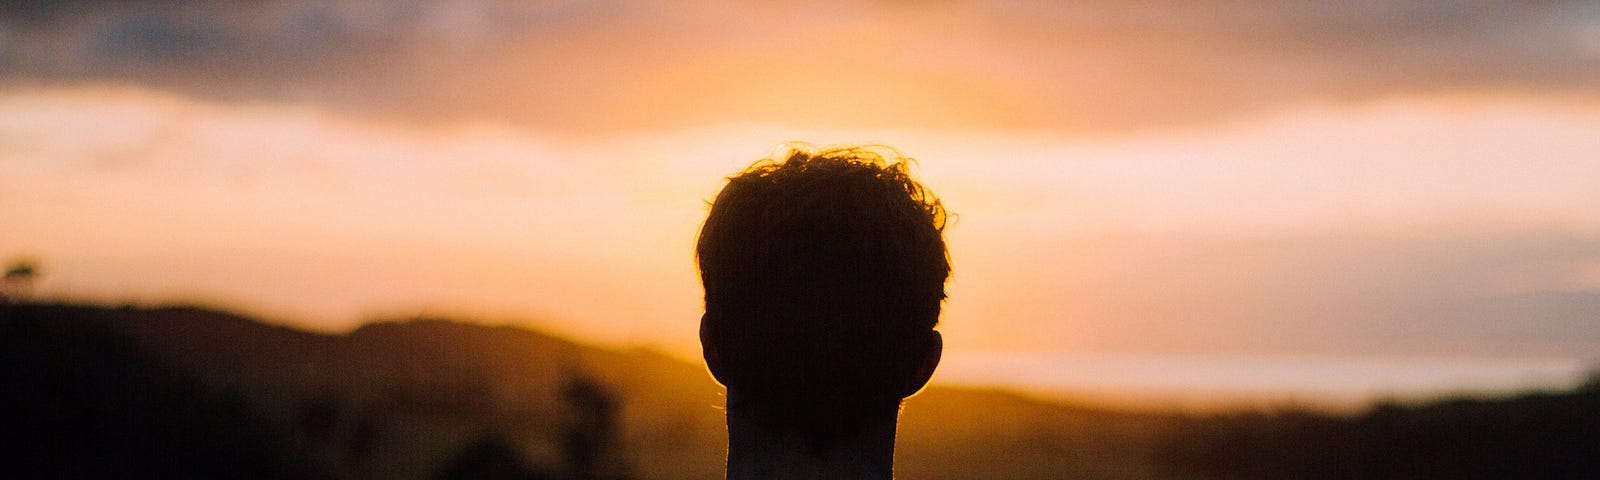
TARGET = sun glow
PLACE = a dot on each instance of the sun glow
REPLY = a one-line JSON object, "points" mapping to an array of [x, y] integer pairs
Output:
{"points": [[1271, 233]]}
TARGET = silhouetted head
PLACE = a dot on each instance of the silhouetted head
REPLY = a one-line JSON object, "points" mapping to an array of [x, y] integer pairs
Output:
{"points": [[824, 273]]}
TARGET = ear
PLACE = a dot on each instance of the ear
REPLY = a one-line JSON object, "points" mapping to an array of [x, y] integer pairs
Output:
{"points": [[708, 349], [925, 366]]}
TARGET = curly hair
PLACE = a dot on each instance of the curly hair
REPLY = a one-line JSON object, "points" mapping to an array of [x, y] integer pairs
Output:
{"points": [[824, 275]]}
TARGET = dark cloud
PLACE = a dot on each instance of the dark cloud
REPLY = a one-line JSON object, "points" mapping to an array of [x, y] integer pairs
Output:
{"points": [[1132, 64], [578, 65]]}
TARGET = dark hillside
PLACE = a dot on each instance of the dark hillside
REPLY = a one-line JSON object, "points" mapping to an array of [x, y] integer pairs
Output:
{"points": [[96, 392], [400, 399], [1541, 435], [82, 402]]}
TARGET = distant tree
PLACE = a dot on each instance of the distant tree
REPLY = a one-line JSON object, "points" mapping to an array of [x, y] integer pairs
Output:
{"points": [[592, 440], [19, 279]]}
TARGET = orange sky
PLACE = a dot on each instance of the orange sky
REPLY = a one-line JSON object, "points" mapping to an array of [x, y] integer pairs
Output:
{"points": [[1198, 239], [1266, 179]]}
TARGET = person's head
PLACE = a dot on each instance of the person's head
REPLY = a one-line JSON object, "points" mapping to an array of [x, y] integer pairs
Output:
{"points": [[824, 273]]}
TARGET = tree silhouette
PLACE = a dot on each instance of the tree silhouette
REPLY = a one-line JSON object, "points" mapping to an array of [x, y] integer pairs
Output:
{"points": [[18, 284], [592, 440]]}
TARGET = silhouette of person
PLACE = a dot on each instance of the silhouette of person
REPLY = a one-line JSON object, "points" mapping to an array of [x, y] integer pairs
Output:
{"points": [[824, 275]]}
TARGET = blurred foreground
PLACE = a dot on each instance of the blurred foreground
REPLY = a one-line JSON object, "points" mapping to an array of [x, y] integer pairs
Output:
{"points": [[194, 393]]}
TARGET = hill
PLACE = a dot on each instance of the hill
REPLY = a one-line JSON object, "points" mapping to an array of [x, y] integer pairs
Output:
{"points": [[200, 393]]}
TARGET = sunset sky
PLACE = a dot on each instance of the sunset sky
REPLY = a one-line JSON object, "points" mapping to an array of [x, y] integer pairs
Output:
{"points": [[1217, 179]]}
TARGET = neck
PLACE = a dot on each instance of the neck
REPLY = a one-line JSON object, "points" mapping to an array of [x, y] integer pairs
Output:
{"points": [[755, 453]]}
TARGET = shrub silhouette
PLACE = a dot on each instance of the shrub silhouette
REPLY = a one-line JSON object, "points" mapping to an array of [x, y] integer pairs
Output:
{"points": [[490, 458]]}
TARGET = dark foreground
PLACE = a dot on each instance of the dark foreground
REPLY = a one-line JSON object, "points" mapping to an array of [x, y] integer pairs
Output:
{"points": [[96, 392]]}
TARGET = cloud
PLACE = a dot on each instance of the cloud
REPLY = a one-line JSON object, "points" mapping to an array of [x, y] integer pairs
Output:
{"points": [[605, 66]]}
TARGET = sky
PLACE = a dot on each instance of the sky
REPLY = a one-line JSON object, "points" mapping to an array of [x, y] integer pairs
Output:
{"points": [[1189, 179]]}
